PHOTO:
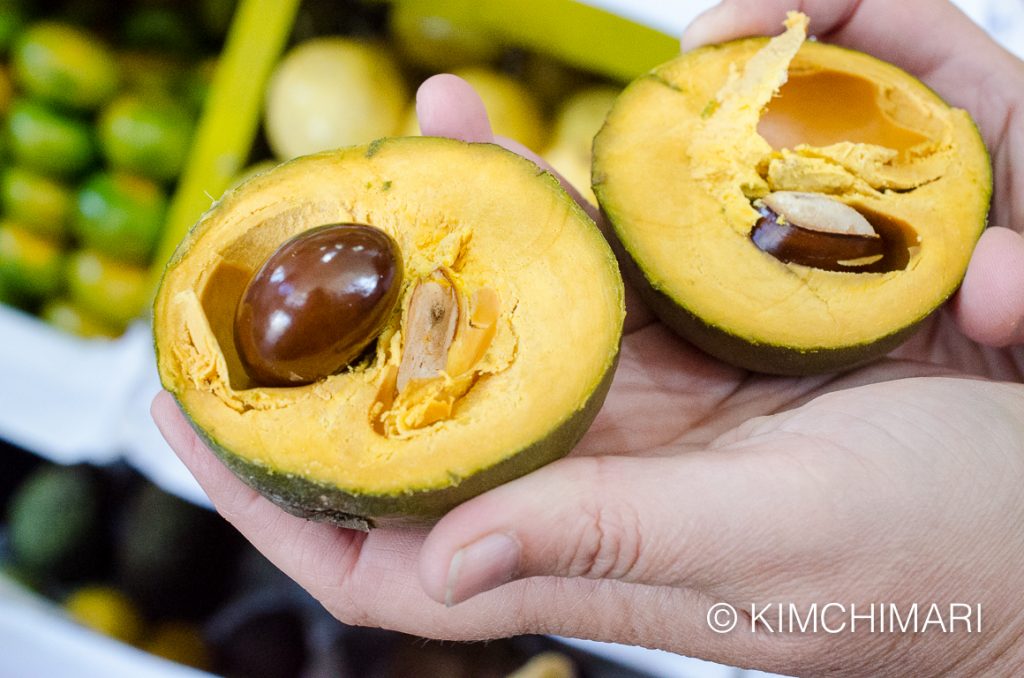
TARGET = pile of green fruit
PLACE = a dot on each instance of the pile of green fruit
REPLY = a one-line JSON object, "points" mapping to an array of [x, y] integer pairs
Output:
{"points": [[123, 557], [96, 125]]}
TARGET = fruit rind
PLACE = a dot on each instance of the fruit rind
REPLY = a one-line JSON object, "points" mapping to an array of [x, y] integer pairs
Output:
{"points": [[745, 348]]}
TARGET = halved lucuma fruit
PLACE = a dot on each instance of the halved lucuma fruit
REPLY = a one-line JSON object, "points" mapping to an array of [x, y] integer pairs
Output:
{"points": [[494, 362], [690, 152]]}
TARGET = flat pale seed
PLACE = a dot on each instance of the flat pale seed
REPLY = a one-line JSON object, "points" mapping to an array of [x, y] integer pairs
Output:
{"points": [[430, 327], [818, 212]]}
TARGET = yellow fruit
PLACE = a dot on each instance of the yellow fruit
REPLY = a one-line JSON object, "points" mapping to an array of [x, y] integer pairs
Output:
{"points": [[179, 642], [106, 610], [332, 92], [578, 120]]}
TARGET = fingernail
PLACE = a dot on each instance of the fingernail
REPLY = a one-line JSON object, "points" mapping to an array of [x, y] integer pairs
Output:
{"points": [[481, 566]]}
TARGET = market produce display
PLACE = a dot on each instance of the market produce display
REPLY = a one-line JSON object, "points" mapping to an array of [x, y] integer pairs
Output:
{"points": [[98, 109], [816, 235], [99, 124], [175, 581]]}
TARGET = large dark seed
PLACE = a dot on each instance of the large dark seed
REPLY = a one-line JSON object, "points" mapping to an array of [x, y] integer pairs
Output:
{"points": [[840, 246], [317, 303]]}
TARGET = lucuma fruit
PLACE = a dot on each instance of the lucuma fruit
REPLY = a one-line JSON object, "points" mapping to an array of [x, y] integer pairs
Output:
{"points": [[493, 362], [791, 207]]}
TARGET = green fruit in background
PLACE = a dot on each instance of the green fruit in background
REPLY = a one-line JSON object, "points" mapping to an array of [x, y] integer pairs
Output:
{"points": [[147, 73], [145, 135], [120, 215], [215, 16], [12, 21], [36, 201], [48, 141], [174, 558], [66, 316], [7, 295], [53, 521], [330, 93], [195, 86], [432, 36], [113, 291], [31, 266], [158, 28], [6, 90], [106, 610], [65, 65]]}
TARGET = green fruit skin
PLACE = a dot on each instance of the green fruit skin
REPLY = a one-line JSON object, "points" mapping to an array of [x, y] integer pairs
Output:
{"points": [[47, 141], [114, 292], [65, 65], [31, 267], [52, 518], [120, 215], [729, 348], [37, 201], [147, 137], [325, 503], [162, 29]]}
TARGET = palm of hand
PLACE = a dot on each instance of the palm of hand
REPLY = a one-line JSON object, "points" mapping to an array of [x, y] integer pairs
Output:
{"points": [[668, 397]]}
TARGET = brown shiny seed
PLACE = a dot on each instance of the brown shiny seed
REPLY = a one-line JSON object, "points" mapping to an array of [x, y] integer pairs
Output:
{"points": [[815, 230], [317, 303]]}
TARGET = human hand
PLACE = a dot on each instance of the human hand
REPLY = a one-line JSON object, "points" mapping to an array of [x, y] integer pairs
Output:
{"points": [[699, 484]]}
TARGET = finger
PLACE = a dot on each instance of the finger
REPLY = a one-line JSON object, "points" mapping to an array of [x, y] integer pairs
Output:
{"points": [[271, 530], [447, 106], [662, 521], [371, 579], [990, 304], [886, 29]]}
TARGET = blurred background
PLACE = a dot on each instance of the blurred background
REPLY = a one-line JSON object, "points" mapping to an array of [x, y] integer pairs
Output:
{"points": [[121, 123]]}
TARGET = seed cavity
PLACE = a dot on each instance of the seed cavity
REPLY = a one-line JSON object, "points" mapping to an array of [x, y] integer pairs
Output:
{"points": [[446, 333], [816, 230]]}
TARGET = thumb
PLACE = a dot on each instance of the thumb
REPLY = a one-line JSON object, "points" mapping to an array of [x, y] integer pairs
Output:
{"points": [[990, 304], [659, 521], [448, 106]]}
